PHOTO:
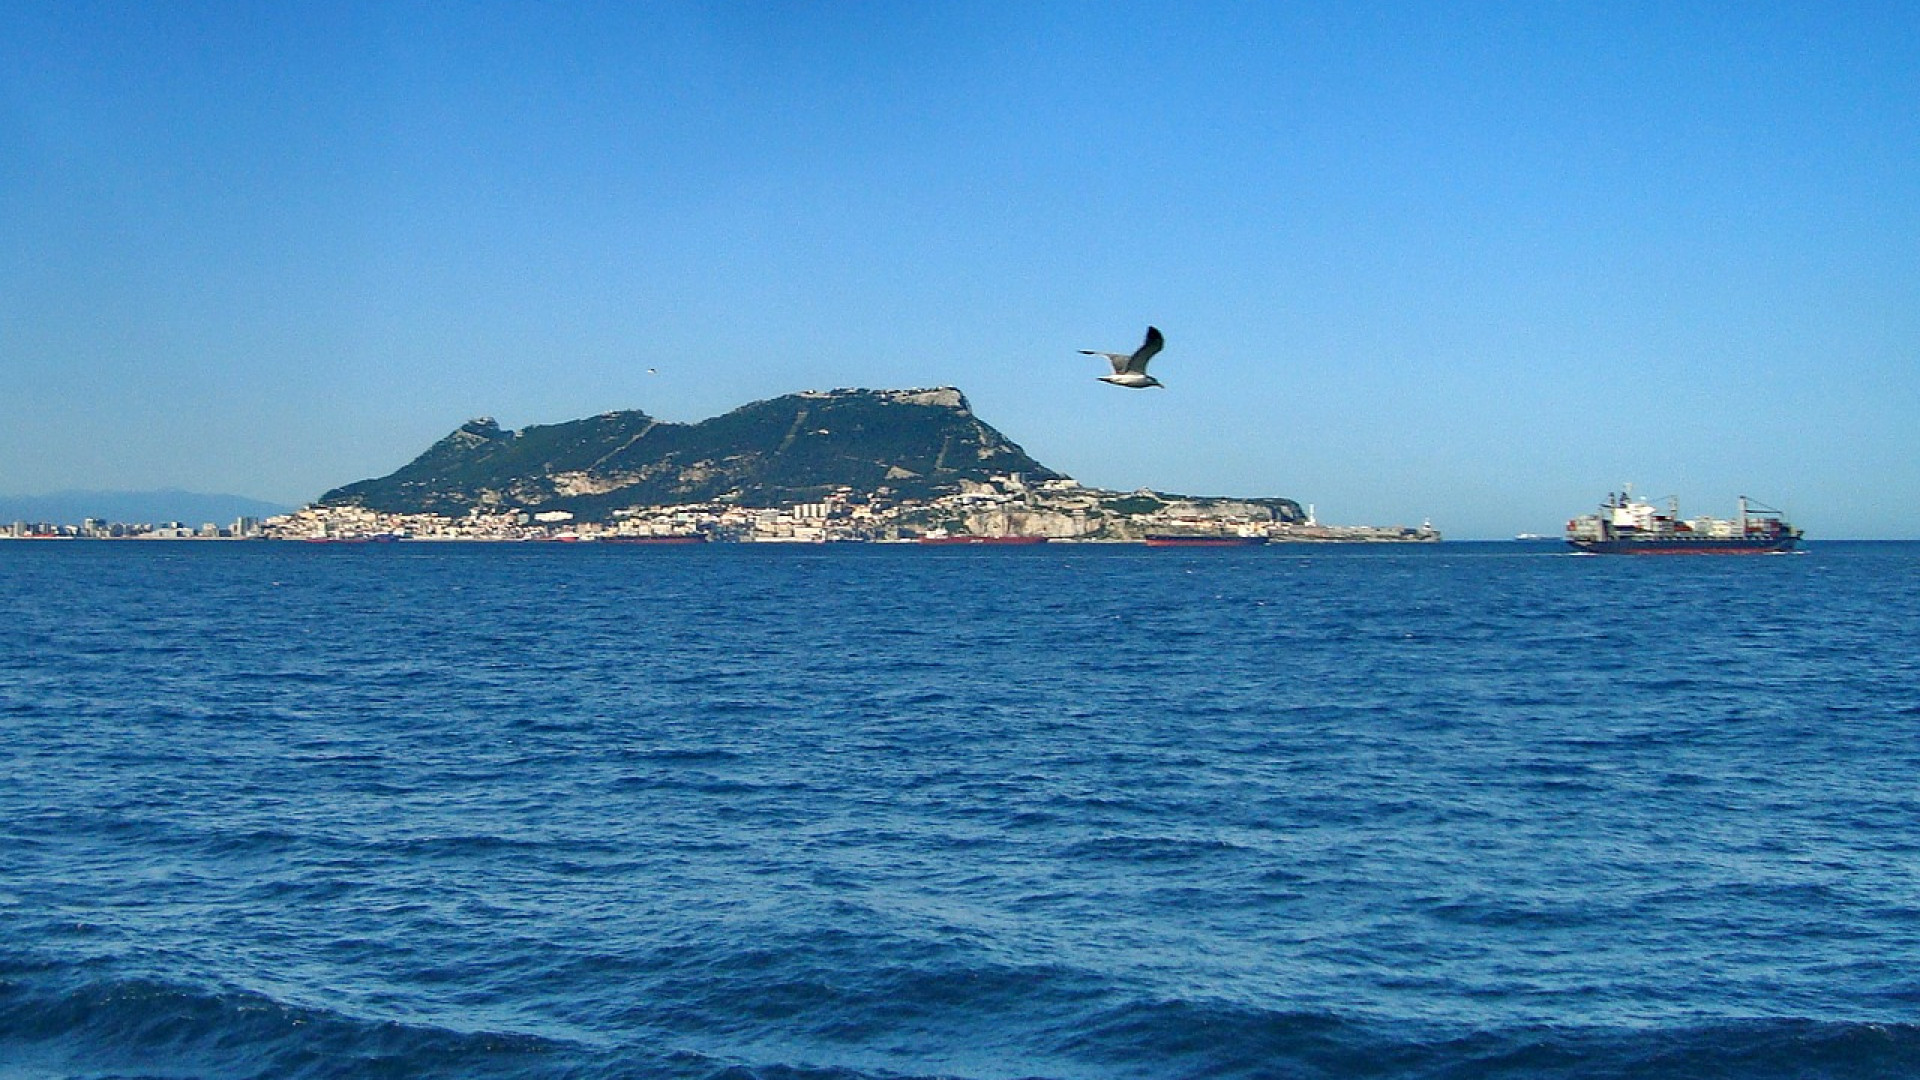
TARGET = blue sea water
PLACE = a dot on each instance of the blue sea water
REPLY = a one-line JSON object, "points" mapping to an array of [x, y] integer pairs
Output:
{"points": [[863, 812]]}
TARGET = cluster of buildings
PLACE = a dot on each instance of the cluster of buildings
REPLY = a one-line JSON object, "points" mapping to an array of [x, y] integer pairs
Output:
{"points": [[1006, 506], [246, 528]]}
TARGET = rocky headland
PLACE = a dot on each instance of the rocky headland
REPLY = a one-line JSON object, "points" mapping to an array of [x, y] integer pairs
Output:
{"points": [[820, 465]]}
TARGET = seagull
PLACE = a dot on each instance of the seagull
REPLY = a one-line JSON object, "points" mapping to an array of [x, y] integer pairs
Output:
{"points": [[1131, 371]]}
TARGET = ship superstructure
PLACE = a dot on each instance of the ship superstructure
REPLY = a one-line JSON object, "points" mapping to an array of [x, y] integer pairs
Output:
{"points": [[1626, 525]]}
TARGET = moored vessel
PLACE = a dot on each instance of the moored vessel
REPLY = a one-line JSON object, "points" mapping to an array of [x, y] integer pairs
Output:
{"points": [[1629, 526], [659, 539], [969, 538], [1202, 540]]}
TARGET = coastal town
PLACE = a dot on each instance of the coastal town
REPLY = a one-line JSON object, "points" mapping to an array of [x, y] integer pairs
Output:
{"points": [[1003, 507]]}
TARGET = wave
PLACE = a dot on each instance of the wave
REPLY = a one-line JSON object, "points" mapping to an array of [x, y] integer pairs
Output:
{"points": [[146, 1027], [1179, 1039], [141, 1027]]}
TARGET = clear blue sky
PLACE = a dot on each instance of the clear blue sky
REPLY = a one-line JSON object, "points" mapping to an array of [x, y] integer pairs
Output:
{"points": [[1477, 262]]}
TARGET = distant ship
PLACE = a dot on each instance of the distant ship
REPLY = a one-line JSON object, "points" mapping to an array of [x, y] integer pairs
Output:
{"points": [[1629, 526], [969, 538], [1202, 540], [662, 538], [358, 538]]}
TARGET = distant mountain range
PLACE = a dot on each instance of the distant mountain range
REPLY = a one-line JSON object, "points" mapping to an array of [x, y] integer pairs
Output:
{"points": [[905, 444], [150, 507]]}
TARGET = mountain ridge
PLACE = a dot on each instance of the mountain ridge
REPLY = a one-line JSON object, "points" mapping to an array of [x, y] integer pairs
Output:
{"points": [[796, 448], [71, 507]]}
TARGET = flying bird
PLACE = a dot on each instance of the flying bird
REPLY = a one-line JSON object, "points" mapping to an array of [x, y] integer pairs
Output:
{"points": [[1131, 371]]}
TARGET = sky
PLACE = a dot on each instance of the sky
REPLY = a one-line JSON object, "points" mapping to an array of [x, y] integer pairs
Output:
{"points": [[1476, 263]]}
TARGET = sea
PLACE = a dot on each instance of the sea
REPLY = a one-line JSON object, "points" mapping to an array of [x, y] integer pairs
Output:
{"points": [[873, 812]]}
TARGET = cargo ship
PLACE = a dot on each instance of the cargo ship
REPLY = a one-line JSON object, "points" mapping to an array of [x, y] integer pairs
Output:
{"points": [[1629, 526], [1208, 540]]}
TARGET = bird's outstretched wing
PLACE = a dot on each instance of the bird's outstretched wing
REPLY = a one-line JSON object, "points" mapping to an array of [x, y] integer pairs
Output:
{"points": [[1136, 362], [1148, 350], [1118, 360]]}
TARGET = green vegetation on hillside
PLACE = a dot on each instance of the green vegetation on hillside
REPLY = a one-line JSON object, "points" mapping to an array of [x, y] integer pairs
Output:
{"points": [[794, 449]]}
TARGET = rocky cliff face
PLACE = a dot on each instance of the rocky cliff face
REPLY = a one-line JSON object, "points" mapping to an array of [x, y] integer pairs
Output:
{"points": [[913, 444]]}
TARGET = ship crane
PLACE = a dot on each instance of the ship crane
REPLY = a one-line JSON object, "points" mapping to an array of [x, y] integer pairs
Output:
{"points": [[1754, 506]]}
